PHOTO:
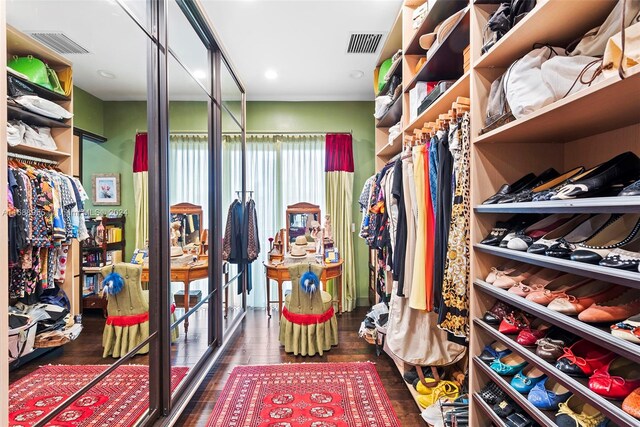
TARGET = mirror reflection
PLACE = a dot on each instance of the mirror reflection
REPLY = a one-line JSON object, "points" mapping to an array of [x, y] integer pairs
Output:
{"points": [[92, 308]]}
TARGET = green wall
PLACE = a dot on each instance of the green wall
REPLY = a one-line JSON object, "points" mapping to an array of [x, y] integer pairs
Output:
{"points": [[121, 120], [88, 111]]}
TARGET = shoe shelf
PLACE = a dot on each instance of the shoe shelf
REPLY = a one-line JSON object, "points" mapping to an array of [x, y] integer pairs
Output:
{"points": [[441, 10], [607, 105], [544, 418], [619, 277], [460, 88], [37, 151], [611, 409], [390, 150], [447, 62], [629, 204], [392, 116], [534, 28], [597, 335], [495, 419]]}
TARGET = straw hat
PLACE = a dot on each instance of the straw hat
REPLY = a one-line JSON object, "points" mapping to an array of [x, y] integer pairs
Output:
{"points": [[442, 30], [299, 248]]}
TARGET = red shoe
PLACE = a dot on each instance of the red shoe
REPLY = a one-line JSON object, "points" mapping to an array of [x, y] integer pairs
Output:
{"points": [[513, 323], [616, 380], [529, 335], [583, 358]]}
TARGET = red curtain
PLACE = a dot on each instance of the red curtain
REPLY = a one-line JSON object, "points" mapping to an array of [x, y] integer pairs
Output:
{"points": [[338, 152], [141, 155]]}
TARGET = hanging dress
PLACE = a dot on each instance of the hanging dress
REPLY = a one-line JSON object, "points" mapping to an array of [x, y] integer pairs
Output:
{"points": [[418, 297], [454, 311]]}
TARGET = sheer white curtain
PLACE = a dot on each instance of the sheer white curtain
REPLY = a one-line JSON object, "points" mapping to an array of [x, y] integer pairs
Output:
{"points": [[189, 172], [189, 182], [281, 170]]}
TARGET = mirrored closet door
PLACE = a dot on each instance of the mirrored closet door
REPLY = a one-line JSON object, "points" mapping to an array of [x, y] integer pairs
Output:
{"points": [[114, 159]]}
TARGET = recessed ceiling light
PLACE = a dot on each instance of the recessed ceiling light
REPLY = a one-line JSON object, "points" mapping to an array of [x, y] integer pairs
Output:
{"points": [[271, 74], [356, 74], [199, 74], [106, 74]]}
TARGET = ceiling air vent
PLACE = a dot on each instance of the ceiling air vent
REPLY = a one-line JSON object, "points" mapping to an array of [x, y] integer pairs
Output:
{"points": [[59, 42], [364, 42]]}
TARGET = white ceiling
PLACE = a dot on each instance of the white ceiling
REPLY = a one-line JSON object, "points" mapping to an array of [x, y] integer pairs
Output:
{"points": [[305, 41]]}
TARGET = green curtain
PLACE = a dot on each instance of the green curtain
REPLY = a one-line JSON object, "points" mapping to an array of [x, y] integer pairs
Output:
{"points": [[339, 197]]}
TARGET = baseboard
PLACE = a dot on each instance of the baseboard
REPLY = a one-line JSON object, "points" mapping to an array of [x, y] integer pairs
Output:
{"points": [[362, 302]]}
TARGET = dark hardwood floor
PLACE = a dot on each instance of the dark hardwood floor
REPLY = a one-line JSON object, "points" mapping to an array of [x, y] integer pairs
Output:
{"points": [[87, 348], [257, 343]]}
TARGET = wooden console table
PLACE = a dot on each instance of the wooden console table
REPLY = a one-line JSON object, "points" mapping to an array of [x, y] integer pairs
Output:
{"points": [[280, 273], [186, 275]]}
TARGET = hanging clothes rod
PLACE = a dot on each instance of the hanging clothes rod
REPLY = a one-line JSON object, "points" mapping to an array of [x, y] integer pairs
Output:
{"points": [[32, 159], [239, 192]]}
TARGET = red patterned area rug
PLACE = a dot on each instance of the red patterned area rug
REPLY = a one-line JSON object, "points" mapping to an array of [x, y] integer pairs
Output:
{"points": [[304, 395], [118, 400]]}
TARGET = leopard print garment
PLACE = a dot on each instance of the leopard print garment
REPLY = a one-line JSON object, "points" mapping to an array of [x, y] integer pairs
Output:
{"points": [[454, 312]]}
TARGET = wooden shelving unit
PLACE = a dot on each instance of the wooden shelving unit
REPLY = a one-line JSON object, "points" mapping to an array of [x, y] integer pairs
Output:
{"points": [[96, 301], [445, 63], [595, 333], [17, 113], [20, 44], [608, 105], [459, 88], [585, 128], [39, 152], [611, 409], [448, 60]]}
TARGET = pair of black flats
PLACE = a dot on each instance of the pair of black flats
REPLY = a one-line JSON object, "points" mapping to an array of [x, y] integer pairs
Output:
{"points": [[606, 179]]}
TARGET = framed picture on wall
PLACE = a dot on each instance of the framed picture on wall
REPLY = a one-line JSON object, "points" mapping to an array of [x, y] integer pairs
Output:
{"points": [[106, 189]]}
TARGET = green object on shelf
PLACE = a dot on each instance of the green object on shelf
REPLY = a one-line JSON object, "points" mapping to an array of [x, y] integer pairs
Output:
{"points": [[33, 68], [384, 70]]}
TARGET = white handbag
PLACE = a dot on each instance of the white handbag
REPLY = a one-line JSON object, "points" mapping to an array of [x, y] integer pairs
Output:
{"points": [[594, 42], [564, 75], [524, 86]]}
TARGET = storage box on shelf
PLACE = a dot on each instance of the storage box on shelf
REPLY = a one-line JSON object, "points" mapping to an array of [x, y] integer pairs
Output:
{"points": [[585, 129]]}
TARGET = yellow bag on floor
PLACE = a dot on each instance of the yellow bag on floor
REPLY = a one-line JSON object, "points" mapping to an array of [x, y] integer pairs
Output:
{"points": [[430, 395]]}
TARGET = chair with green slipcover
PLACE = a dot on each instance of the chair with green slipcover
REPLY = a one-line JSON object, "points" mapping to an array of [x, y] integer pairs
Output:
{"points": [[308, 323], [127, 322]]}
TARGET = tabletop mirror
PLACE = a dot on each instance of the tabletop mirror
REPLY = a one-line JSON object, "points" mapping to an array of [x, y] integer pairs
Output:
{"points": [[186, 227], [299, 221]]}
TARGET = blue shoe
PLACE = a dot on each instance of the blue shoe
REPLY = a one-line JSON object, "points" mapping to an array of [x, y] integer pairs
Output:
{"points": [[508, 365], [524, 380], [548, 399], [494, 351]]}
